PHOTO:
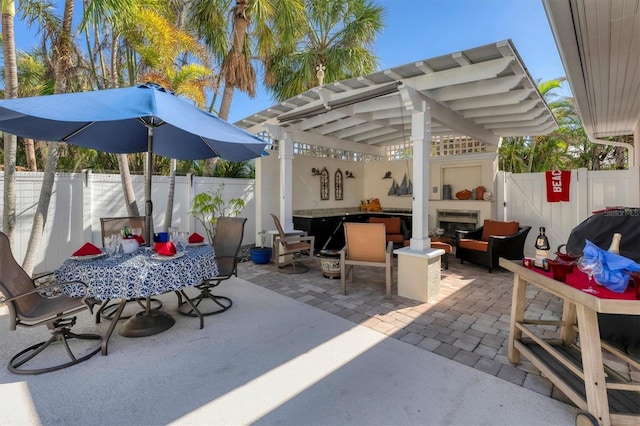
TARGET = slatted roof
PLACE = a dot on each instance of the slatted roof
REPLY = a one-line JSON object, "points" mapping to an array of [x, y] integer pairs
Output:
{"points": [[599, 43], [485, 93]]}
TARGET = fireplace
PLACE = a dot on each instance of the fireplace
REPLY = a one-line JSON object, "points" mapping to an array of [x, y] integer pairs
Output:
{"points": [[451, 220]]}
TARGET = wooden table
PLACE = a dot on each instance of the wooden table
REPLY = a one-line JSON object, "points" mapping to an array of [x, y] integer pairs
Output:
{"points": [[574, 363]]}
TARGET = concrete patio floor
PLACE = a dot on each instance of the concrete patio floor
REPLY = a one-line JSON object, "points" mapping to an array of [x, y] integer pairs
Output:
{"points": [[467, 323], [273, 359]]}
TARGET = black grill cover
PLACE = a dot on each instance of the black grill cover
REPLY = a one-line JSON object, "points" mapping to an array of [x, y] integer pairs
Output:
{"points": [[599, 228]]}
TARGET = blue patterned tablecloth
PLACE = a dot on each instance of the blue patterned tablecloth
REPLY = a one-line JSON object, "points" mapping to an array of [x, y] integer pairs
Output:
{"points": [[137, 274]]}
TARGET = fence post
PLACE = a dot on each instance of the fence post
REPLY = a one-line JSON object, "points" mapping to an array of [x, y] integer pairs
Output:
{"points": [[581, 194], [87, 197]]}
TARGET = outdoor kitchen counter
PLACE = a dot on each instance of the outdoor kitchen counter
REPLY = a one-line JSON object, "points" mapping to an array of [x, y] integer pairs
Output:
{"points": [[326, 224], [315, 213]]}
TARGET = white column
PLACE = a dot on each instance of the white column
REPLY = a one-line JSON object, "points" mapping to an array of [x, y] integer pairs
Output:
{"points": [[285, 154], [421, 139], [419, 264]]}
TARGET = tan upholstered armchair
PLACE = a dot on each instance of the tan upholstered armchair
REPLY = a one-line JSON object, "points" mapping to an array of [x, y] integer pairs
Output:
{"points": [[492, 241], [366, 245], [393, 229]]}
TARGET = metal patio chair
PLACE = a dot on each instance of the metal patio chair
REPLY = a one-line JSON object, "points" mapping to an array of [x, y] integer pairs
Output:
{"points": [[226, 245], [289, 250], [113, 226], [30, 306]]}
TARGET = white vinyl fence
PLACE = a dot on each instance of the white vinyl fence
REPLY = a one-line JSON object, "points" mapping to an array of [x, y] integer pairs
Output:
{"points": [[522, 197], [79, 200]]}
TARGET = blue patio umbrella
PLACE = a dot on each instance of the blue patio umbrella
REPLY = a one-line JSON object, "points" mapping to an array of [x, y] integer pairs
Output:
{"points": [[142, 118]]}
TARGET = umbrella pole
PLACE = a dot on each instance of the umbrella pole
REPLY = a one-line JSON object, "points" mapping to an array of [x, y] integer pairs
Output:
{"points": [[148, 204]]}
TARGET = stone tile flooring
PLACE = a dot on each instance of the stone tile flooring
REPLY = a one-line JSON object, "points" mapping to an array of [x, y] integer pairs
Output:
{"points": [[468, 323]]}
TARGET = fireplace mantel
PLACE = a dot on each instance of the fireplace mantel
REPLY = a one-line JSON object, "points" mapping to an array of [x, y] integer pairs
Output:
{"points": [[483, 207]]}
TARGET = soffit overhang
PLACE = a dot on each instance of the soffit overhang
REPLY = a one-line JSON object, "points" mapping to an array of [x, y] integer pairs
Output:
{"points": [[599, 44]]}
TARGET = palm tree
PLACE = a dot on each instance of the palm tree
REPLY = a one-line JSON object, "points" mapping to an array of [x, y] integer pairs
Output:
{"points": [[552, 151], [31, 82], [335, 42], [164, 49], [103, 25], [254, 30], [10, 141], [62, 65]]}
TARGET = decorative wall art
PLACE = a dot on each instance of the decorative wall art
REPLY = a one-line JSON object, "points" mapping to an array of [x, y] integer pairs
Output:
{"points": [[338, 184], [324, 184]]}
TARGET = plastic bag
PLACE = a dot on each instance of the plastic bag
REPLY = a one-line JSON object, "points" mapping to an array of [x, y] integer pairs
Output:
{"points": [[613, 275]]}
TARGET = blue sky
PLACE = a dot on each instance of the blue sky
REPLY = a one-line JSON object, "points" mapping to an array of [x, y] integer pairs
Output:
{"points": [[422, 29]]}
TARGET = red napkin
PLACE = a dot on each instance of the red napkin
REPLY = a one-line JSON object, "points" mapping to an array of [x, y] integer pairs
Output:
{"points": [[165, 249], [86, 250], [195, 238], [139, 239]]}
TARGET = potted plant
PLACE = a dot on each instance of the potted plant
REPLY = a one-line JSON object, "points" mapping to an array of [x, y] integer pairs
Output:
{"points": [[209, 206], [260, 255]]}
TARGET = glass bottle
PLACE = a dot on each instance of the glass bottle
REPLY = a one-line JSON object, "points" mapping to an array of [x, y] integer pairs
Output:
{"points": [[542, 248], [615, 243]]}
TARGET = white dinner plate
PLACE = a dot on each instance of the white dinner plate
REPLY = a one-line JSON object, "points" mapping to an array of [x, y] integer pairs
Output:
{"points": [[157, 256], [201, 243], [87, 257]]}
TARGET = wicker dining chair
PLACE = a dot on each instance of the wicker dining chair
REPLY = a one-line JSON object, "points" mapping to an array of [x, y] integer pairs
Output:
{"points": [[30, 306], [226, 245]]}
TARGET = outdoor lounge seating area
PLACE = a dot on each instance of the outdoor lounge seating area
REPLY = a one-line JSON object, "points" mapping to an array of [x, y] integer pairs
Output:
{"points": [[495, 239]]}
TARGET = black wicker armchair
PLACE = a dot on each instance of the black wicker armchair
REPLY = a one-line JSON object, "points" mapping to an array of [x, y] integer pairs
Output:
{"points": [[485, 245]]}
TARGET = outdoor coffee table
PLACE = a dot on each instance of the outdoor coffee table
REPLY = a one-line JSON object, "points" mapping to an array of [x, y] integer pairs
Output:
{"points": [[140, 274]]}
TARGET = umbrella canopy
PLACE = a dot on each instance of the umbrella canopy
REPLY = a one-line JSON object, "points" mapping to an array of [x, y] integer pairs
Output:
{"points": [[142, 118], [117, 121]]}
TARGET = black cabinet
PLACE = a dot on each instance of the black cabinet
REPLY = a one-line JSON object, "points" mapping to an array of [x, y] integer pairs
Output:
{"points": [[329, 230], [326, 230]]}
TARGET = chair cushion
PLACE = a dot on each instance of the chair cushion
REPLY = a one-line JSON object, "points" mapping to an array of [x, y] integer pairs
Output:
{"points": [[473, 244], [495, 227], [435, 245], [440, 245], [393, 225], [365, 241], [297, 246], [395, 238]]}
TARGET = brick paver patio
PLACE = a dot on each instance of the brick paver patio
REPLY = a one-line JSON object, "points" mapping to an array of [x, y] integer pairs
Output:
{"points": [[467, 323]]}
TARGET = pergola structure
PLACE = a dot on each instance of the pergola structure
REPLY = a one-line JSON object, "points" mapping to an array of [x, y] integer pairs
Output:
{"points": [[484, 93]]}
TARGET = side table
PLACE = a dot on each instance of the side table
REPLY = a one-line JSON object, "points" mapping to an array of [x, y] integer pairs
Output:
{"points": [[274, 233]]}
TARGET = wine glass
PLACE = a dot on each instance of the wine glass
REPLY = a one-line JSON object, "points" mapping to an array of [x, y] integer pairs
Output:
{"points": [[173, 234], [590, 266], [182, 238]]}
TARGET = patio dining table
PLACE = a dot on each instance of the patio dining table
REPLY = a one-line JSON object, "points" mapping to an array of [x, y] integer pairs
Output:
{"points": [[136, 275]]}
